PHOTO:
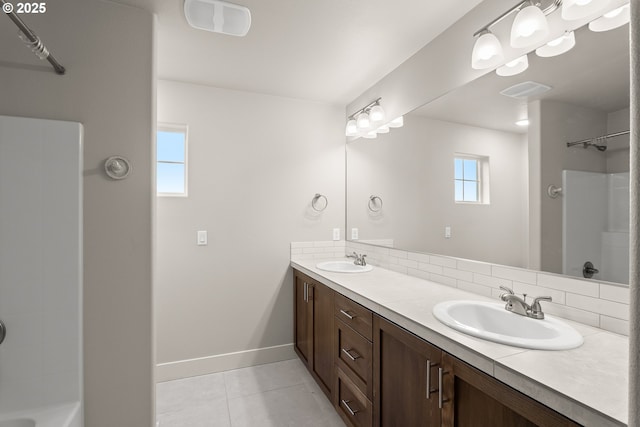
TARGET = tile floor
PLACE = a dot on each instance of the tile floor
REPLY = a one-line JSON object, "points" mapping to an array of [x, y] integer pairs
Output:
{"points": [[281, 394]]}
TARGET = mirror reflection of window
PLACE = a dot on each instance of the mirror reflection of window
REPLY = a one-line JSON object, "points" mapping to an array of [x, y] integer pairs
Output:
{"points": [[467, 180], [171, 152]]}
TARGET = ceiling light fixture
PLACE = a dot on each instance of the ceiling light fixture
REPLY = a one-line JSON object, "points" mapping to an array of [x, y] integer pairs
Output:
{"points": [[514, 67], [611, 20], [558, 46], [369, 121], [578, 9], [218, 16]]}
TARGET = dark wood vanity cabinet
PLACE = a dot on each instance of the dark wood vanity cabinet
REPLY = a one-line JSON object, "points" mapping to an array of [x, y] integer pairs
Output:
{"points": [[405, 377], [379, 374], [313, 332]]}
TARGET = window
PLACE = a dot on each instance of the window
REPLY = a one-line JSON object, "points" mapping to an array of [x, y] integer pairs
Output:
{"points": [[471, 179], [171, 156]]}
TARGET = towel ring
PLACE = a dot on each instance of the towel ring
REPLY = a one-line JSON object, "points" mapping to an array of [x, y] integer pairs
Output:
{"points": [[375, 206], [117, 167], [553, 191], [319, 206]]}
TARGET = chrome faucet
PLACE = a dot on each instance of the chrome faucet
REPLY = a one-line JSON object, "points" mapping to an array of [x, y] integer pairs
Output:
{"points": [[359, 258], [518, 305]]}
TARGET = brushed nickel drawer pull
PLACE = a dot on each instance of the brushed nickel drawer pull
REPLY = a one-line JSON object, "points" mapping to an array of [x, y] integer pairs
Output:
{"points": [[353, 358], [346, 405], [348, 315], [429, 389], [306, 292]]}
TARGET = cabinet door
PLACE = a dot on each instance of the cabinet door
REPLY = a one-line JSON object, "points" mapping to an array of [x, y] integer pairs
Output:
{"points": [[322, 359], [303, 320], [473, 398], [405, 378]]}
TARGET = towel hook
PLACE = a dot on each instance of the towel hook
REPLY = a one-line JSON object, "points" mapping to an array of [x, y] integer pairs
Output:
{"points": [[317, 204], [117, 167], [375, 203], [553, 191]]}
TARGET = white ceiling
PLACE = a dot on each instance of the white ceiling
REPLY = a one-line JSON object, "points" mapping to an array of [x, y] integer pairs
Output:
{"points": [[329, 50]]}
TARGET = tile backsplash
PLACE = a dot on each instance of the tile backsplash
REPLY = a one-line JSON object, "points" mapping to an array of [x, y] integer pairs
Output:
{"points": [[603, 305]]}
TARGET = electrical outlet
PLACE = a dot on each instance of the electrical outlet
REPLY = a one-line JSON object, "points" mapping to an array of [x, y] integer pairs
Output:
{"points": [[354, 234], [336, 234]]}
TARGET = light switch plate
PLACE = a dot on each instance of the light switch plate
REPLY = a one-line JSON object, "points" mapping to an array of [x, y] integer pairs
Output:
{"points": [[447, 232], [202, 238], [354, 234], [336, 234]]}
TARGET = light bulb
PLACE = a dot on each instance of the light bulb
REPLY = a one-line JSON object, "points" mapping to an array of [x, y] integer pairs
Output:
{"points": [[557, 46], [614, 19], [487, 52], [529, 28], [352, 128], [514, 67], [578, 9], [376, 115], [363, 122]]}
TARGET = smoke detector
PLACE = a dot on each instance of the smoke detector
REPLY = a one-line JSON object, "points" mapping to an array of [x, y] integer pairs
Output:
{"points": [[218, 16], [525, 90]]}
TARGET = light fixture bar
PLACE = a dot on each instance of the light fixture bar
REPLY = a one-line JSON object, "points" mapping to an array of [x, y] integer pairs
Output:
{"points": [[365, 108], [555, 4]]}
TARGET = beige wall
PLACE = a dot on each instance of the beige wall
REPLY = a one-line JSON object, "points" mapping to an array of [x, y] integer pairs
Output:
{"points": [[411, 169], [255, 162], [109, 88]]}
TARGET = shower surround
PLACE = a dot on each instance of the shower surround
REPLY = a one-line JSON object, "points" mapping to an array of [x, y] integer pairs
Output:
{"points": [[41, 271]]}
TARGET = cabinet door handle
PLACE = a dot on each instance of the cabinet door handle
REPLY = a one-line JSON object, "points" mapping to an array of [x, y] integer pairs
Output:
{"points": [[305, 293], [441, 398], [353, 358], [429, 390], [348, 315], [346, 405]]}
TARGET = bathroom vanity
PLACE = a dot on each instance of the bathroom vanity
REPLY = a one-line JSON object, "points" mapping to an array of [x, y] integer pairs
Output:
{"points": [[373, 346]]}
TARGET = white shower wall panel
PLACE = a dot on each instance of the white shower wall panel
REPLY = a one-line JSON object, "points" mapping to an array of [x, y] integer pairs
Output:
{"points": [[40, 262]]}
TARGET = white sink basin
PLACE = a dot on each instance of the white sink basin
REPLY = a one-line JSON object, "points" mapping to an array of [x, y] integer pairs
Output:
{"points": [[343, 267], [492, 322]]}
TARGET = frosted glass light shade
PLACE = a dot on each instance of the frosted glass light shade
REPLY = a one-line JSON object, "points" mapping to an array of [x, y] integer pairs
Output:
{"points": [[578, 9], [363, 122], [383, 129], [614, 19], [376, 115], [218, 16], [487, 52], [557, 46], [514, 67], [398, 122], [529, 28], [352, 128], [370, 135]]}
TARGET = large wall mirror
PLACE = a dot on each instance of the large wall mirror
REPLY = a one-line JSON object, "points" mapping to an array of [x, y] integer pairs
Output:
{"points": [[461, 178]]}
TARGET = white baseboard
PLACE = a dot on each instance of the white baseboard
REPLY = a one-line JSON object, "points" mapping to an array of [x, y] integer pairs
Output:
{"points": [[223, 362]]}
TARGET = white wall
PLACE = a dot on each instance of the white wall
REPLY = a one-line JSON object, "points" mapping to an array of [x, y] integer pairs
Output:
{"points": [[618, 147], [411, 169], [255, 162], [109, 87]]}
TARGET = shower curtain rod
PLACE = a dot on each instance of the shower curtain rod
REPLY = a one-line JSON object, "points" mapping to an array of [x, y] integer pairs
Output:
{"points": [[586, 141], [34, 41]]}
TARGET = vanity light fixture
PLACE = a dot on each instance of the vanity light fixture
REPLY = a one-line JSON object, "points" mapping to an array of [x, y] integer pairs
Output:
{"points": [[352, 128], [218, 16], [514, 67], [362, 122], [558, 46], [369, 121], [611, 20], [487, 51], [529, 28], [398, 122], [578, 9]]}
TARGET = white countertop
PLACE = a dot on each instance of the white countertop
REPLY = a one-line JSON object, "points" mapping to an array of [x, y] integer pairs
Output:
{"points": [[588, 384]]}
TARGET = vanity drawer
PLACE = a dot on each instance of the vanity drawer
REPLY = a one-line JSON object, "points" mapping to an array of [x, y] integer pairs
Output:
{"points": [[354, 315], [353, 406], [354, 356]]}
